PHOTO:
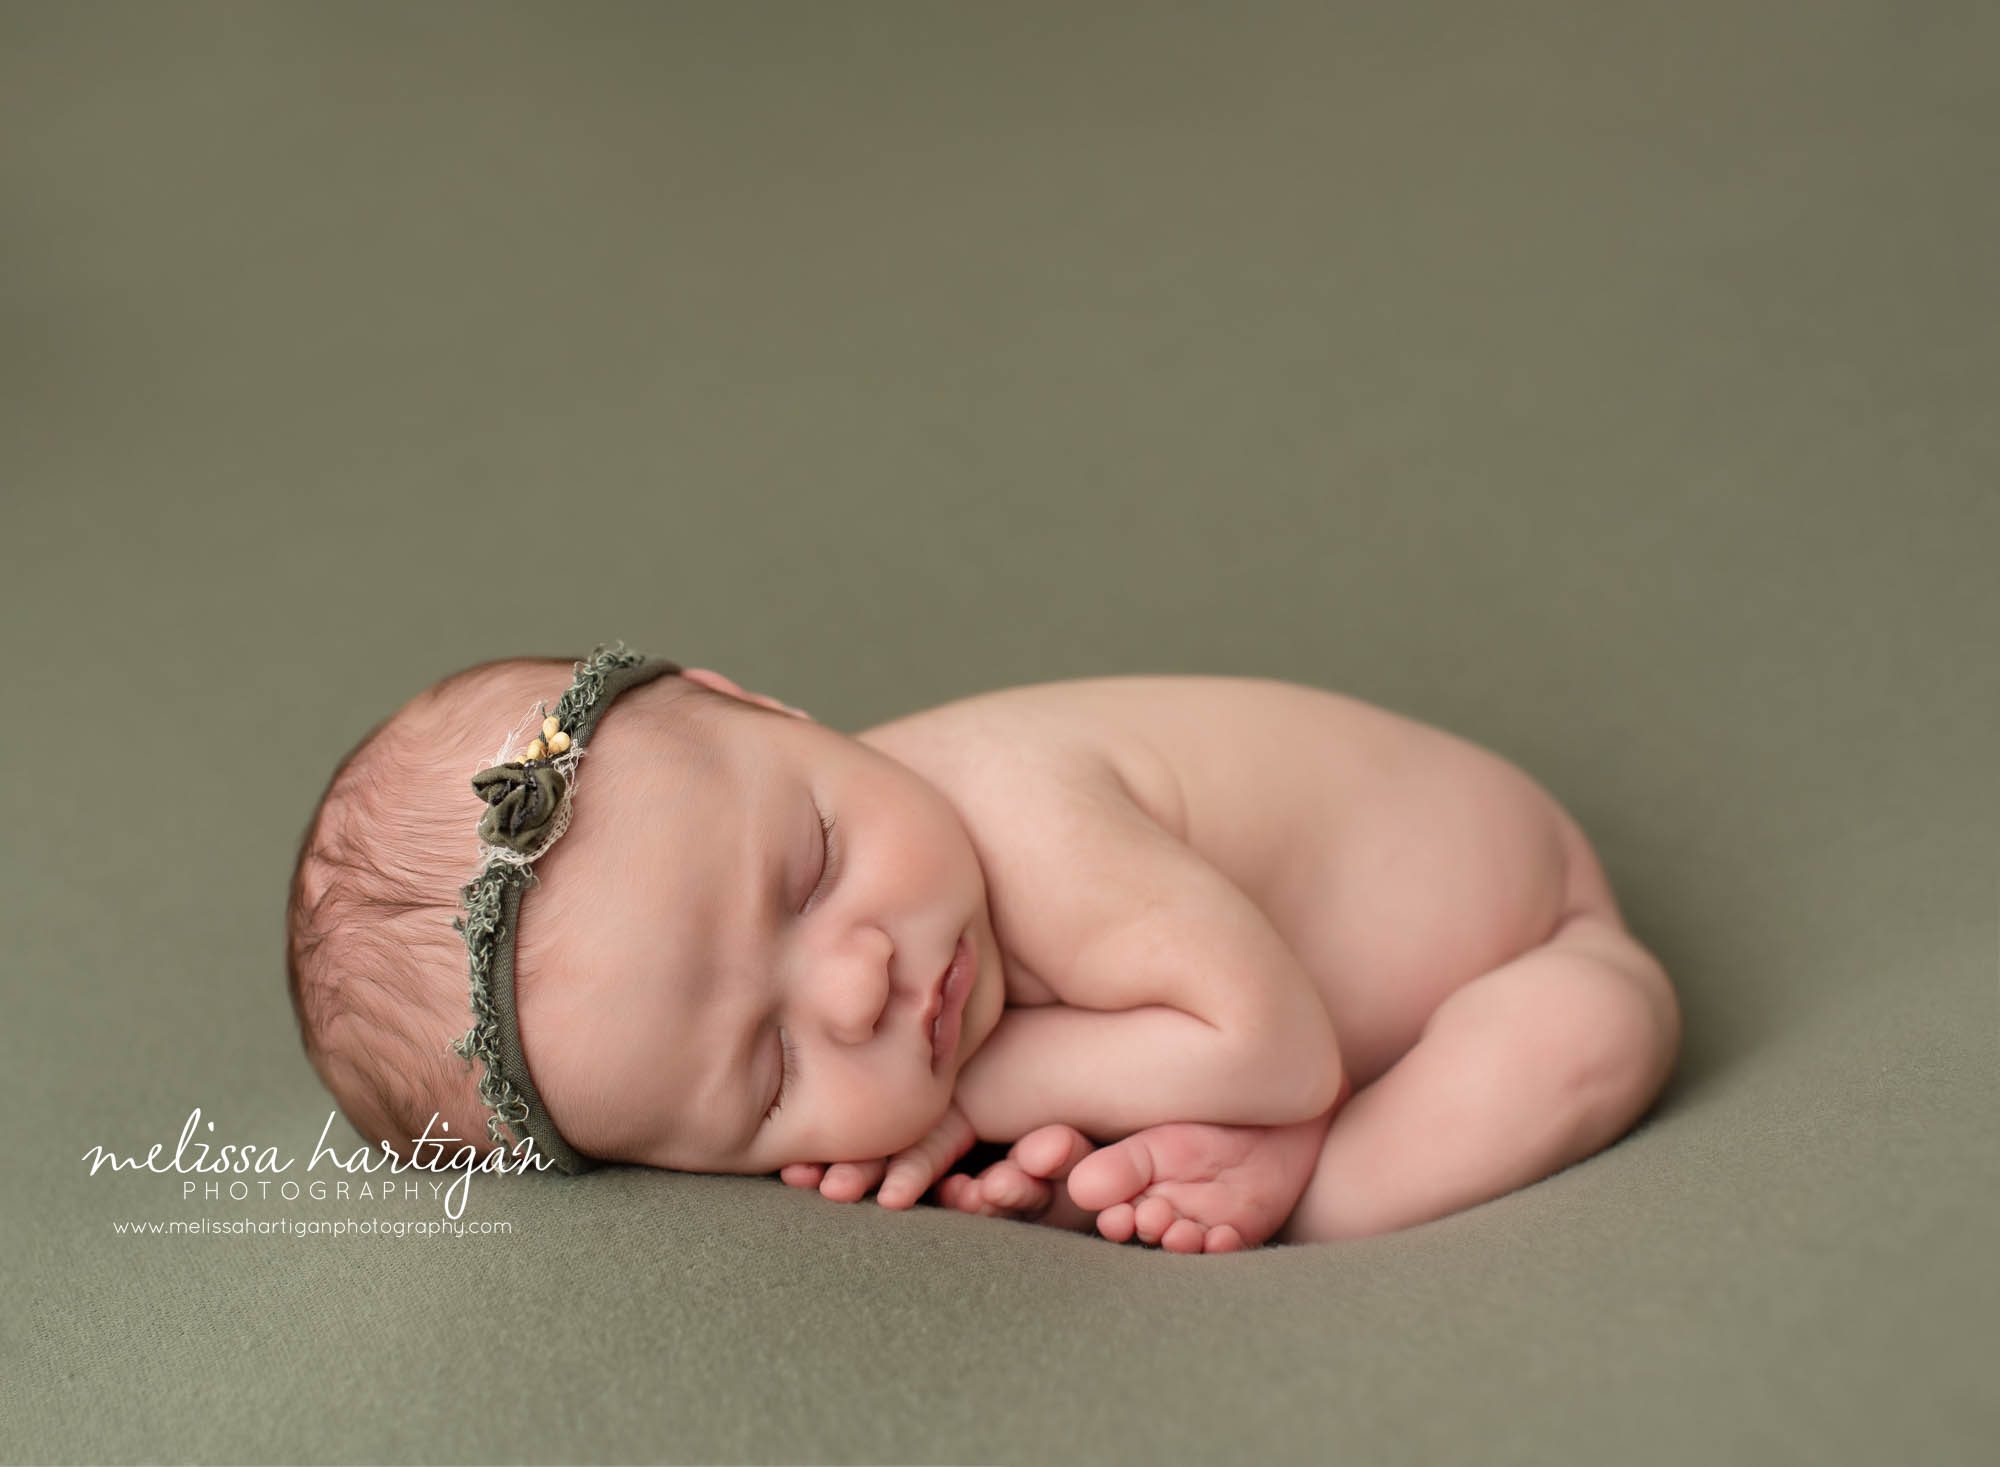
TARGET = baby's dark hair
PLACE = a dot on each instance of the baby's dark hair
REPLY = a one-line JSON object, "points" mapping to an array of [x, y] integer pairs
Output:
{"points": [[376, 970]]}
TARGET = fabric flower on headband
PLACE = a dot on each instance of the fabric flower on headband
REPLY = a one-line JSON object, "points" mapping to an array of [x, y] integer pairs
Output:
{"points": [[523, 795], [522, 800]]}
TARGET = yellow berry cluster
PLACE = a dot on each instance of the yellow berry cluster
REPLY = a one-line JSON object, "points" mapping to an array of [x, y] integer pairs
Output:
{"points": [[552, 742]]}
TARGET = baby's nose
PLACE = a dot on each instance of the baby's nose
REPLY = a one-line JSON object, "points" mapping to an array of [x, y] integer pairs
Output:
{"points": [[858, 989]]}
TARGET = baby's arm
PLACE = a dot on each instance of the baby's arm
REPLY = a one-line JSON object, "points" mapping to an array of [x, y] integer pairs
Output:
{"points": [[1110, 1074], [1189, 1029], [1178, 1000]]}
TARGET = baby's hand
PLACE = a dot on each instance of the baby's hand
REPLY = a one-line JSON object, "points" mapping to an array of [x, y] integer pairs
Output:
{"points": [[904, 1177], [1028, 1183]]}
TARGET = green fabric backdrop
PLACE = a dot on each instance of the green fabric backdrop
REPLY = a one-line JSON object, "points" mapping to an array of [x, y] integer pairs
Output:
{"points": [[1614, 386]]}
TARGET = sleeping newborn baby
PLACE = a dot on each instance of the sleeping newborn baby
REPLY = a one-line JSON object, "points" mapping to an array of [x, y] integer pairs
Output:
{"points": [[1208, 962]]}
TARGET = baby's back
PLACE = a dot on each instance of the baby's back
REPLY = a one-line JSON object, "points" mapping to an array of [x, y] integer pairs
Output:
{"points": [[1397, 860]]}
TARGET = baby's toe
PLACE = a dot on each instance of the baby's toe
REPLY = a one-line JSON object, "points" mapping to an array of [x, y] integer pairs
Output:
{"points": [[1185, 1236], [1224, 1239], [1111, 1175], [1051, 1152], [1116, 1223], [1006, 1185], [1154, 1216]]}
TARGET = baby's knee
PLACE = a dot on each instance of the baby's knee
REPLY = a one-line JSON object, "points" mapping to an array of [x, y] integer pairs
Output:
{"points": [[1590, 1014], [1626, 1027]]}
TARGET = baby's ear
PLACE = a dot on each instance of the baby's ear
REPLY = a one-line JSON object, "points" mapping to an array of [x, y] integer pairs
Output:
{"points": [[715, 681]]}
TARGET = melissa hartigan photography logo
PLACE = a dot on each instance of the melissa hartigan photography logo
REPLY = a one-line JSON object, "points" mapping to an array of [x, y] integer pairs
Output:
{"points": [[441, 1167]]}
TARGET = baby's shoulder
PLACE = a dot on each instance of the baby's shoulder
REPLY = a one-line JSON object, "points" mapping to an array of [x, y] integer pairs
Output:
{"points": [[1052, 793], [1001, 754]]}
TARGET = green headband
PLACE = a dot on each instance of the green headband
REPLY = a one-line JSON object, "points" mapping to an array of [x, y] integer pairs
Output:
{"points": [[528, 796]]}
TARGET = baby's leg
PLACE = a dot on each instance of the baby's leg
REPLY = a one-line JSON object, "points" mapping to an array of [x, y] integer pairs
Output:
{"points": [[1516, 1075]]}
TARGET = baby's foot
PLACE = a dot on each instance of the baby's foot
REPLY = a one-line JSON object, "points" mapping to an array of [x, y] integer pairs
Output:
{"points": [[1190, 1187]]}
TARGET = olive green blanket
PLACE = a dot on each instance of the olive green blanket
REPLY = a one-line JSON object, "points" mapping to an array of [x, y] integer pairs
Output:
{"points": [[1611, 385]]}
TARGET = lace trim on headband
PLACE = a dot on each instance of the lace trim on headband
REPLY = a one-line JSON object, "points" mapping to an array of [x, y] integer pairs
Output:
{"points": [[482, 897]]}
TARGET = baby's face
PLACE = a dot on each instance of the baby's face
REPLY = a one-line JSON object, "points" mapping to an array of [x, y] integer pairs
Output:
{"points": [[697, 919]]}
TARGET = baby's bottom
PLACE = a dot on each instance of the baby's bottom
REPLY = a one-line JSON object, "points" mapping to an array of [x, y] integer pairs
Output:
{"points": [[1516, 1075]]}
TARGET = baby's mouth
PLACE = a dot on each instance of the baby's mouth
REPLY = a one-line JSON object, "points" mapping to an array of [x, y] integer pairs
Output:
{"points": [[946, 1011]]}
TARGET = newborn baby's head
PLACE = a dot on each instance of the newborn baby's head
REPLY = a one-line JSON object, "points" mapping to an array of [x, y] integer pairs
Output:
{"points": [[744, 900]]}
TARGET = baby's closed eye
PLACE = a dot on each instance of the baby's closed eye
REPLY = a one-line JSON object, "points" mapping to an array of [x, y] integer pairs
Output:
{"points": [[829, 871], [788, 1074]]}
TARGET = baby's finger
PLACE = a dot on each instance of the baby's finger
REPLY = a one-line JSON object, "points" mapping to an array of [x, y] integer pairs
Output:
{"points": [[850, 1181], [908, 1179], [951, 1192], [912, 1172], [961, 1193]]}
